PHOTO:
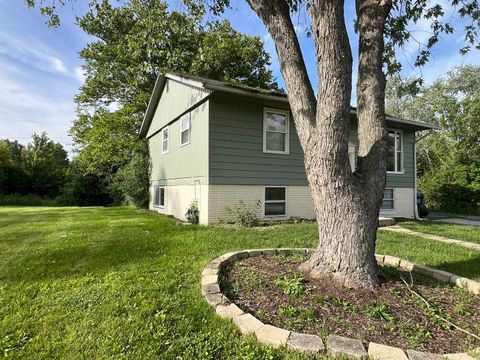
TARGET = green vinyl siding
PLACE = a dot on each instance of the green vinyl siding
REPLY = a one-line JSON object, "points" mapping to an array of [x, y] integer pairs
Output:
{"points": [[236, 154], [407, 179], [182, 164]]}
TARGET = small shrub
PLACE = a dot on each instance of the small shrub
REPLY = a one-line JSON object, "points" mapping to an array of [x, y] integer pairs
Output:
{"points": [[291, 284], [193, 213], [244, 216]]}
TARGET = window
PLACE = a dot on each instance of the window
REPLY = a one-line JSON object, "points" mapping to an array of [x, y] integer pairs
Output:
{"points": [[165, 140], [185, 130], [275, 201], [352, 156], [387, 203], [394, 151], [159, 197], [275, 131]]}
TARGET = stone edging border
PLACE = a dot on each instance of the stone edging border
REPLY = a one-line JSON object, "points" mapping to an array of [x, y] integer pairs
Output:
{"points": [[336, 345]]}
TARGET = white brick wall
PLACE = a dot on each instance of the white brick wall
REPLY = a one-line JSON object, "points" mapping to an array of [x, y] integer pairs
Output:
{"points": [[179, 197], [299, 201], [403, 203], [213, 199]]}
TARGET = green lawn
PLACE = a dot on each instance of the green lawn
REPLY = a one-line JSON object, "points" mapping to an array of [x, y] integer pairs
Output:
{"points": [[454, 231], [116, 282]]}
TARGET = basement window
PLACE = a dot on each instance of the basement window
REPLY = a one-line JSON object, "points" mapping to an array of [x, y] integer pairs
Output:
{"points": [[275, 201], [159, 197], [387, 203]]}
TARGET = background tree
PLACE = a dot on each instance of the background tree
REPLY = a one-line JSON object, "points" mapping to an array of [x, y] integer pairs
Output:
{"points": [[15, 178], [45, 163], [135, 42], [449, 159]]}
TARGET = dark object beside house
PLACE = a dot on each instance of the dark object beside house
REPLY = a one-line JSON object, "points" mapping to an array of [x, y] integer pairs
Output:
{"points": [[422, 209]]}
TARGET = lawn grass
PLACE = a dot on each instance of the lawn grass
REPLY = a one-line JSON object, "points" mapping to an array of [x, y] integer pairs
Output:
{"points": [[117, 282], [453, 231]]}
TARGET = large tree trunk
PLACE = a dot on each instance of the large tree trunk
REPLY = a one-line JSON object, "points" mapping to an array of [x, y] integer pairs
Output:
{"points": [[347, 204]]}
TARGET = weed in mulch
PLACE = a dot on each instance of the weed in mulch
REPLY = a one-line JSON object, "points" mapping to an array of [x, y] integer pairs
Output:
{"points": [[273, 289]]}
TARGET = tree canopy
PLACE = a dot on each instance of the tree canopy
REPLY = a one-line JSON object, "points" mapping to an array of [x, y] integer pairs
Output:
{"points": [[134, 43]]}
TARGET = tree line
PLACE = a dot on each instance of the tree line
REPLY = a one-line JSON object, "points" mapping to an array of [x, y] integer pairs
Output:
{"points": [[448, 160]]}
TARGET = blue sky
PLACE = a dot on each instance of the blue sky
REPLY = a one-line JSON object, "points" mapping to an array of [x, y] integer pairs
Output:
{"points": [[40, 71]]}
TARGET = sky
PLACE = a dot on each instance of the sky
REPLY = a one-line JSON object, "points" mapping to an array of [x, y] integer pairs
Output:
{"points": [[40, 71]]}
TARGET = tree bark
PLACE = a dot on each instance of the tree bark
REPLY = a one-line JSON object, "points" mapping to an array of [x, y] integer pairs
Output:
{"points": [[347, 204]]}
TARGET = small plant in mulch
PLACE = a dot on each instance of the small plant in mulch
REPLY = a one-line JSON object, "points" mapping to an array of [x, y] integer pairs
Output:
{"points": [[410, 311], [291, 283]]}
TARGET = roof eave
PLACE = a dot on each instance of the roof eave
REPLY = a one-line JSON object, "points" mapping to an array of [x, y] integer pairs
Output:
{"points": [[245, 93], [152, 105]]}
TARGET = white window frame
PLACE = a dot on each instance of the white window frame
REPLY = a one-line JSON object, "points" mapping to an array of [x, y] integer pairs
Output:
{"points": [[354, 153], [287, 130], [189, 129], [389, 199], [396, 153], [274, 201], [160, 189], [167, 140]]}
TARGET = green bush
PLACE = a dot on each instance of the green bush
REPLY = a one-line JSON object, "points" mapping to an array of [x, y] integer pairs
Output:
{"points": [[27, 200], [454, 188]]}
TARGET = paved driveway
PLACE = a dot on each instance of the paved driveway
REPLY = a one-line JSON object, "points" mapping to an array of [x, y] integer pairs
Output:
{"points": [[457, 219]]}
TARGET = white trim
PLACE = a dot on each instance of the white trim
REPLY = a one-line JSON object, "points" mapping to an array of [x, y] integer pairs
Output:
{"points": [[160, 188], [189, 129], [395, 154], [275, 201], [165, 129], [287, 130]]}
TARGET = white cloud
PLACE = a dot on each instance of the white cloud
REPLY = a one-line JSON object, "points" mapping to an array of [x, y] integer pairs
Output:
{"points": [[31, 53], [27, 108], [79, 75]]}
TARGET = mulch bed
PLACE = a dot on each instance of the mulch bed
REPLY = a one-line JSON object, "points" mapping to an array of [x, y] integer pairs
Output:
{"points": [[273, 290]]}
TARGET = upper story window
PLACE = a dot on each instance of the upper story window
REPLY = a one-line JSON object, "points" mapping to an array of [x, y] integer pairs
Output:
{"points": [[352, 156], [185, 130], [275, 131], [395, 151], [165, 140]]}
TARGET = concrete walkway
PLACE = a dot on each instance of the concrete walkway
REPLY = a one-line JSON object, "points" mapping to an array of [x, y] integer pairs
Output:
{"points": [[445, 240]]}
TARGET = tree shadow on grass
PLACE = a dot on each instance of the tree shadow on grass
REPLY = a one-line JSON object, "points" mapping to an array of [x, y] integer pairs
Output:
{"points": [[91, 245], [78, 259], [469, 268]]}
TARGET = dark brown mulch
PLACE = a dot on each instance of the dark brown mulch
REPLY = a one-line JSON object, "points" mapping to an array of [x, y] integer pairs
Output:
{"points": [[390, 315]]}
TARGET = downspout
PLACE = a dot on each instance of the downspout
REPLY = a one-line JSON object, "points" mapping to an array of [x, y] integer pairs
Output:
{"points": [[415, 206]]}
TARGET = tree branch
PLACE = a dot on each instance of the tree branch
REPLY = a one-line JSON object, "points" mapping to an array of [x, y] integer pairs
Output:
{"points": [[276, 17]]}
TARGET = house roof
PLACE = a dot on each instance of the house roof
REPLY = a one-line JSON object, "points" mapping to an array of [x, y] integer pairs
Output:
{"points": [[211, 86]]}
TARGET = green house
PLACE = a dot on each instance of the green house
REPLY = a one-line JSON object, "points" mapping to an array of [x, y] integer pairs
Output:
{"points": [[217, 144]]}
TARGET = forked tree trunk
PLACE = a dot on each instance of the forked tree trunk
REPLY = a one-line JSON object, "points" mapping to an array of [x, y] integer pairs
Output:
{"points": [[347, 204]]}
